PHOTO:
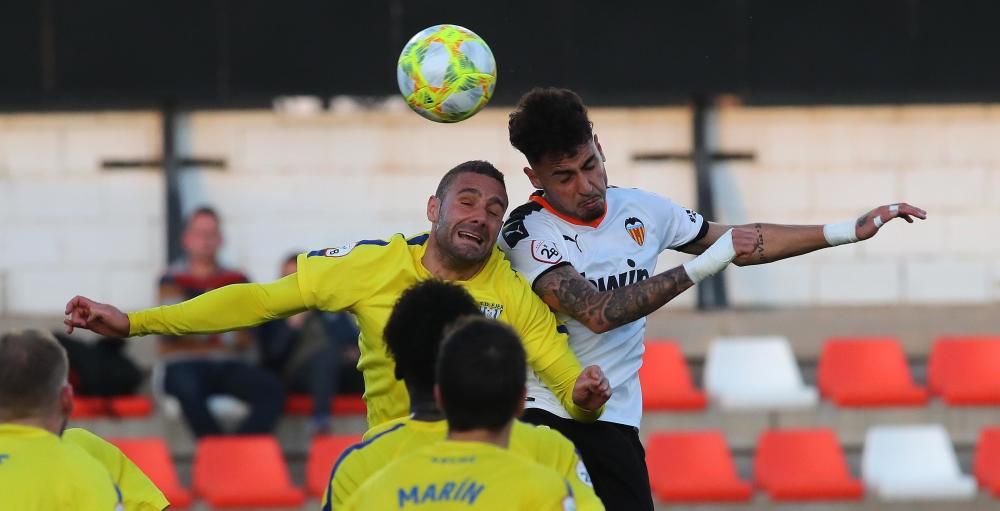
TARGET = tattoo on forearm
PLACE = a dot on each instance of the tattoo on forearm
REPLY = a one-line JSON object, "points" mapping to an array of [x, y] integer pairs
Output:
{"points": [[611, 309], [861, 221], [758, 247]]}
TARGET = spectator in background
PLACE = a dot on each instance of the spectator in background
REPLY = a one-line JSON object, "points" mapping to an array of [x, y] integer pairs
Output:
{"points": [[38, 471], [199, 366], [315, 353]]}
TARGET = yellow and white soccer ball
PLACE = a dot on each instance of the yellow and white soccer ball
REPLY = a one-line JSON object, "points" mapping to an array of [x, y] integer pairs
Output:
{"points": [[446, 73]]}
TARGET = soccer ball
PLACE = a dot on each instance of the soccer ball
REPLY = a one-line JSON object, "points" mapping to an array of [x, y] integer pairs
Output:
{"points": [[446, 73]]}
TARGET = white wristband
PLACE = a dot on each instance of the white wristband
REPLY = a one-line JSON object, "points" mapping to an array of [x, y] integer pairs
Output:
{"points": [[840, 233], [713, 260]]}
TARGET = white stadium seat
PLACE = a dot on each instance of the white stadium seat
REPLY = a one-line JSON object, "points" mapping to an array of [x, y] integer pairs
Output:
{"points": [[915, 462], [755, 373]]}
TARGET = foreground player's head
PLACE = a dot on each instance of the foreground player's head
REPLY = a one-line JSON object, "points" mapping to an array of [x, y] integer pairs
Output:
{"points": [[416, 326], [202, 237], [481, 372], [466, 212], [551, 128], [33, 380]]}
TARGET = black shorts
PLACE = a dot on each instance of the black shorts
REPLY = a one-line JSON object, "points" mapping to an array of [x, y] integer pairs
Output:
{"points": [[614, 457]]}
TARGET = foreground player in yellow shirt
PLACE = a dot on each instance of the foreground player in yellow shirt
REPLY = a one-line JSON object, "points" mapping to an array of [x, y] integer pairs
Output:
{"points": [[38, 471], [412, 336], [138, 492], [481, 388], [367, 277]]}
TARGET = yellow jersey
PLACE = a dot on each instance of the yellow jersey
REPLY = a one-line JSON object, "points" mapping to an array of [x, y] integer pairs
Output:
{"points": [[138, 492], [387, 442], [451, 475], [367, 278], [41, 472]]}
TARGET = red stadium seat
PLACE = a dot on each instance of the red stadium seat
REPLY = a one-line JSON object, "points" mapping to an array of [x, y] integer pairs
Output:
{"points": [[862, 371], [323, 453], [665, 379], [804, 465], [301, 404], [243, 471], [130, 406], [966, 370], [693, 467], [88, 407], [986, 461], [153, 458]]}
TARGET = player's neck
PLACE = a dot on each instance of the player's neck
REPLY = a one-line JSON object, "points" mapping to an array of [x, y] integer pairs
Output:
{"points": [[500, 438], [50, 424], [203, 267], [422, 406]]}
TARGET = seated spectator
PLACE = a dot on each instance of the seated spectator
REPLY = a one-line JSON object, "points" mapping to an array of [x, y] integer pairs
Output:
{"points": [[38, 471], [199, 366], [315, 353]]}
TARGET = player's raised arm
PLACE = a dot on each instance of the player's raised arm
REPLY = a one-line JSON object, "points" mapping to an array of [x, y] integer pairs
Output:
{"points": [[760, 243], [224, 309]]}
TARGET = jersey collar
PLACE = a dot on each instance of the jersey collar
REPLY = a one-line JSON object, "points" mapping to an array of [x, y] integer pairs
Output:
{"points": [[537, 197]]}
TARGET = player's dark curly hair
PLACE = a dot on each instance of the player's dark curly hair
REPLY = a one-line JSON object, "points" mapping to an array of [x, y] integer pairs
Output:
{"points": [[549, 121], [417, 324]]}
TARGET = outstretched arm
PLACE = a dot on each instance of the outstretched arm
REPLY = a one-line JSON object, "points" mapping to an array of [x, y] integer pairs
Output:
{"points": [[772, 242], [220, 310], [565, 290]]}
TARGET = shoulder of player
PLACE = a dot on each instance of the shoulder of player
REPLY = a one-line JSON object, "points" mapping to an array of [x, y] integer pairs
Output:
{"points": [[538, 435], [368, 248], [356, 453]]}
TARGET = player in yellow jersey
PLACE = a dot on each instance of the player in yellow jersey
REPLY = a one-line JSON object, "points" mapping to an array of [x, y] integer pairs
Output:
{"points": [[38, 470], [367, 277], [481, 388], [412, 336], [138, 492]]}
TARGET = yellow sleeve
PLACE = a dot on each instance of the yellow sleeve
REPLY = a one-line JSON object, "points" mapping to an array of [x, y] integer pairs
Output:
{"points": [[344, 480], [221, 310], [138, 491], [572, 468], [547, 348]]}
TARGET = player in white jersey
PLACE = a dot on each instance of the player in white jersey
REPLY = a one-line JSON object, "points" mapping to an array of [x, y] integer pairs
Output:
{"points": [[590, 251]]}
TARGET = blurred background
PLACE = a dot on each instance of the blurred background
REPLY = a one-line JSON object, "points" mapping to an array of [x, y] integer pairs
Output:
{"points": [[119, 118]]}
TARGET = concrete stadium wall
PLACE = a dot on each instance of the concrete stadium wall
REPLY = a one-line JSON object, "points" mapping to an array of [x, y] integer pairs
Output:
{"points": [[295, 183]]}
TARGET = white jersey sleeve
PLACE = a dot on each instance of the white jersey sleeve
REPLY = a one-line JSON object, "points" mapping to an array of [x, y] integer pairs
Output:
{"points": [[682, 225], [533, 247]]}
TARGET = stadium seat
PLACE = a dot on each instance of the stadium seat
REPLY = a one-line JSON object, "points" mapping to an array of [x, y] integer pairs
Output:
{"points": [[808, 464], [323, 453], [965, 370], [152, 456], [130, 406], [755, 373], [693, 467], [351, 404], [860, 372], [986, 461], [243, 471], [913, 463], [665, 379], [88, 407]]}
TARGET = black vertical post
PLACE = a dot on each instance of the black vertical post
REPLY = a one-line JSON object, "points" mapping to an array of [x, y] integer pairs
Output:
{"points": [[171, 175], [711, 291]]}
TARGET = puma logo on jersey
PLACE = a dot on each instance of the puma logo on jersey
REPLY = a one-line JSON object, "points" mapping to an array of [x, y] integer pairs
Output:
{"points": [[514, 232], [575, 240]]}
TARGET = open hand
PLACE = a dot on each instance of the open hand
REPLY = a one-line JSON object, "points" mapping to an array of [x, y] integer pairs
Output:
{"points": [[870, 222]]}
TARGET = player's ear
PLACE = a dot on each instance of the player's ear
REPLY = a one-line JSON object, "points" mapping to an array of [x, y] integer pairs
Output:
{"points": [[600, 149], [66, 400], [533, 177], [433, 209], [520, 404]]}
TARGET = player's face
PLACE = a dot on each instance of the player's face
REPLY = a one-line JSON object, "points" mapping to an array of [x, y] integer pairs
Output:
{"points": [[468, 218], [575, 185], [202, 238]]}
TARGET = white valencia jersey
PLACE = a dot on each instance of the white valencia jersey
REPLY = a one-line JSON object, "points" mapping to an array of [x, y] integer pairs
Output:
{"points": [[614, 251]]}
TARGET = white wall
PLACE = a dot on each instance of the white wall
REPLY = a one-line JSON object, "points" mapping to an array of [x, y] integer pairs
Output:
{"points": [[68, 227]]}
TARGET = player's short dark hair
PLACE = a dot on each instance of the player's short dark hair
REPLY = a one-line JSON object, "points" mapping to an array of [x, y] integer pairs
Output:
{"points": [[480, 167], [549, 121], [33, 370], [481, 373], [417, 324]]}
